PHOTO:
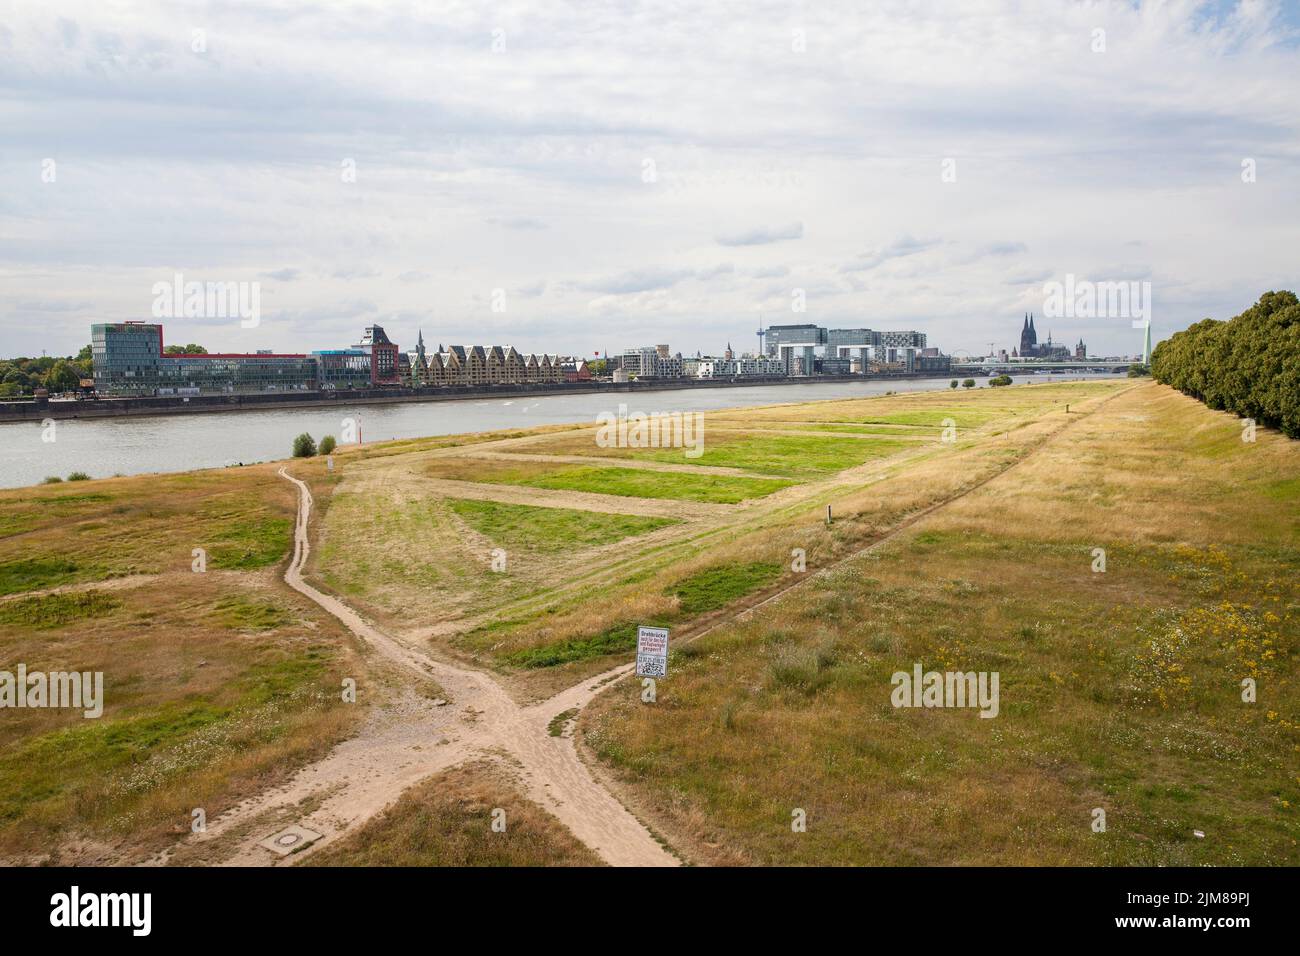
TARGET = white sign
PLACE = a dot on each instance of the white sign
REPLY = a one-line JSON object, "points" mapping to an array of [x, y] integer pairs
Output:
{"points": [[652, 652]]}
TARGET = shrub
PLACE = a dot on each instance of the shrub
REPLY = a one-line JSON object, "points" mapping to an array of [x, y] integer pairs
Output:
{"points": [[78, 476], [304, 446], [327, 444], [953, 383], [969, 383], [1000, 381], [52, 480]]}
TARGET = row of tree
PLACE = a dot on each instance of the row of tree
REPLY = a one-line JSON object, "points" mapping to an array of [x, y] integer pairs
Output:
{"points": [[1249, 364], [22, 376]]}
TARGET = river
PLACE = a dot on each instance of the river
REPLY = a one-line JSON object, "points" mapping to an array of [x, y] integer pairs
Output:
{"points": [[169, 443]]}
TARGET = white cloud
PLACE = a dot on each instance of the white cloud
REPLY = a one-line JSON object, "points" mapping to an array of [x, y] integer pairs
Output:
{"points": [[525, 170]]}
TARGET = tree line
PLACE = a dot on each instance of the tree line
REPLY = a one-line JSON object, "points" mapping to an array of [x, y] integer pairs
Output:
{"points": [[22, 376], [1249, 365]]}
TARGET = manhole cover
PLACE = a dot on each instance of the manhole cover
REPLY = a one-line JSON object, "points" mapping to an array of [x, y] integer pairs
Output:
{"points": [[290, 840]]}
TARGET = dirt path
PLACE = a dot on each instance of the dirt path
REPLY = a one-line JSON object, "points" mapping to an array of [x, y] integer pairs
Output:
{"points": [[397, 749]]}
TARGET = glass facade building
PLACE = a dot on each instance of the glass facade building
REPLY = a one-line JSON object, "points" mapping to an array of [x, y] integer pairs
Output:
{"points": [[129, 360], [125, 356]]}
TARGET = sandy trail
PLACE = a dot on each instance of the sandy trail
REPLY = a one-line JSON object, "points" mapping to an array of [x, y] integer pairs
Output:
{"points": [[397, 749]]}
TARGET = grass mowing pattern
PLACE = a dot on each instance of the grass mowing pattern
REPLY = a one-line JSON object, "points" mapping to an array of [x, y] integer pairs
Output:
{"points": [[529, 528]]}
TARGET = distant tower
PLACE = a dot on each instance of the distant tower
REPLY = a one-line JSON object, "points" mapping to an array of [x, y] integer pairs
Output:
{"points": [[1028, 337], [761, 334], [728, 355], [1146, 342]]}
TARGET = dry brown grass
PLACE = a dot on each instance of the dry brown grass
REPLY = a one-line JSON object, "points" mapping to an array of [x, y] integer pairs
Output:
{"points": [[1102, 705], [447, 821], [216, 685]]}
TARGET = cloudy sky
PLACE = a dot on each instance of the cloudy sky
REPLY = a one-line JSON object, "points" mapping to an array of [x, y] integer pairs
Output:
{"points": [[586, 176]]}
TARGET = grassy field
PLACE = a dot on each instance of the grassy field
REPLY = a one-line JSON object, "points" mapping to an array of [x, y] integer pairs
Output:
{"points": [[537, 622], [447, 821], [216, 684], [1120, 690]]}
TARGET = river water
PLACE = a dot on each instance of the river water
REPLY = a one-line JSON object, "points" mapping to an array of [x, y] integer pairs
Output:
{"points": [[166, 443]]}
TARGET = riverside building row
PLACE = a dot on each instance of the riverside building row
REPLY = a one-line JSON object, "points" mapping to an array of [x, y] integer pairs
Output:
{"points": [[130, 359], [797, 351]]}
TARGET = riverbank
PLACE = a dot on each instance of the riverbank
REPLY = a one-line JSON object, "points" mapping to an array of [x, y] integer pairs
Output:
{"points": [[38, 410], [144, 441]]}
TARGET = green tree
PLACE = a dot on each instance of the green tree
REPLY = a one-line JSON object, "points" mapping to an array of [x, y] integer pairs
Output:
{"points": [[62, 377], [327, 444], [304, 446], [953, 383], [969, 383], [1249, 365]]}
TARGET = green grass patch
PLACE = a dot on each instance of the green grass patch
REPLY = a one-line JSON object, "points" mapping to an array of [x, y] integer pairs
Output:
{"points": [[789, 456], [556, 727], [1288, 489], [240, 614], [95, 764], [34, 574], [617, 639], [718, 586], [55, 610], [529, 528], [638, 483], [250, 543]]}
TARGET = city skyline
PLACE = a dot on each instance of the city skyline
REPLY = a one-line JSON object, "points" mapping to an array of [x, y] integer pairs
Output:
{"points": [[899, 170]]}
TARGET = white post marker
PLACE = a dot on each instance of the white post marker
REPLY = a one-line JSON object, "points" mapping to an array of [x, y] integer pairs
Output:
{"points": [[652, 652]]}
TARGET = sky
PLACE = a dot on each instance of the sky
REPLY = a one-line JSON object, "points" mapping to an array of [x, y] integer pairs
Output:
{"points": [[581, 177]]}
